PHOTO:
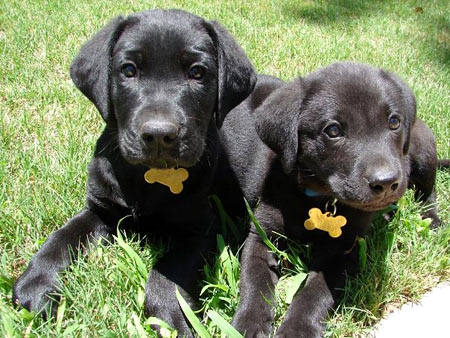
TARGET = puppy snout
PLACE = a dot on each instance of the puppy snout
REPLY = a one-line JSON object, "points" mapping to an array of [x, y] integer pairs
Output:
{"points": [[159, 134], [385, 181]]}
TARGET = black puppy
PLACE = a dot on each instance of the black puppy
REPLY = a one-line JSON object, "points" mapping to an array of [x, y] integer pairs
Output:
{"points": [[343, 140], [157, 78]]}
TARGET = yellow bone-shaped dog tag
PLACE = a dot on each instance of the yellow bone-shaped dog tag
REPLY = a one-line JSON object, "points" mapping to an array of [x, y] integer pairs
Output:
{"points": [[173, 178], [325, 221]]}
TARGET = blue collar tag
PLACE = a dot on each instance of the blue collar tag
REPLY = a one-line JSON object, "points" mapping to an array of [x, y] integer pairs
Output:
{"points": [[311, 193]]}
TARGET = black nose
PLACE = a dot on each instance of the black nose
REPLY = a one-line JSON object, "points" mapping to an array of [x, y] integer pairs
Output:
{"points": [[162, 134], [384, 181]]}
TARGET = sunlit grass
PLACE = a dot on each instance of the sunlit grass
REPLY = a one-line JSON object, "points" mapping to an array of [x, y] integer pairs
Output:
{"points": [[48, 131]]}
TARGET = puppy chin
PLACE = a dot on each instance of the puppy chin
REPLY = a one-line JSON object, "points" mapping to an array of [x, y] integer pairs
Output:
{"points": [[157, 159], [370, 205], [161, 162], [361, 197]]}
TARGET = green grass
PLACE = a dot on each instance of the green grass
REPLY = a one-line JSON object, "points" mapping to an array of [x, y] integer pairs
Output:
{"points": [[48, 130]]}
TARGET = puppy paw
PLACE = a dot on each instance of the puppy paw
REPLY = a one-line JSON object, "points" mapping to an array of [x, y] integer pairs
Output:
{"points": [[289, 329], [36, 294], [435, 220], [252, 326], [169, 312]]}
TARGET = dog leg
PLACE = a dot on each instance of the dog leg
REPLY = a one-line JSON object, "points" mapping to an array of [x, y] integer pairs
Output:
{"points": [[179, 268], [36, 287], [258, 278], [423, 170], [306, 315]]}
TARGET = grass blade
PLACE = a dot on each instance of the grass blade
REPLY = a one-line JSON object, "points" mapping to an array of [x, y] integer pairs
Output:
{"points": [[223, 325], [60, 314], [135, 328], [157, 321], [263, 234], [165, 330], [8, 326], [362, 253], [132, 255], [296, 281], [190, 315]]}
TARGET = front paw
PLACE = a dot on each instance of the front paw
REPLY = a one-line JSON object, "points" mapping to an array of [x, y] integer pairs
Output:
{"points": [[168, 310], [251, 325], [290, 329], [435, 220], [36, 293]]}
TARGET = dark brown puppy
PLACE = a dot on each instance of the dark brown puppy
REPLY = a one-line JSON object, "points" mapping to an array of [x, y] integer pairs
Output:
{"points": [[347, 132], [163, 81]]}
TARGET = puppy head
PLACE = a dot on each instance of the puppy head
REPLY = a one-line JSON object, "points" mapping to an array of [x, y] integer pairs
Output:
{"points": [[346, 129], [158, 77]]}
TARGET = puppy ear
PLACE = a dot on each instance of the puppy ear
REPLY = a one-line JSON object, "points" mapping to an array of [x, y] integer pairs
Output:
{"points": [[236, 76], [276, 122], [410, 103], [90, 70], [406, 102]]}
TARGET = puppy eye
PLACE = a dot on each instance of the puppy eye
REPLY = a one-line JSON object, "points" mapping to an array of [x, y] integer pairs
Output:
{"points": [[394, 122], [197, 72], [333, 131], [129, 70]]}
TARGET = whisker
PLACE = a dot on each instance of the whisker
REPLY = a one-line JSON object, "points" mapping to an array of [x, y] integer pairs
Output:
{"points": [[193, 118]]}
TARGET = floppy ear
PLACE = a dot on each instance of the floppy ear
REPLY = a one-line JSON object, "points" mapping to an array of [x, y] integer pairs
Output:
{"points": [[410, 103], [236, 76], [276, 121], [90, 70], [407, 101]]}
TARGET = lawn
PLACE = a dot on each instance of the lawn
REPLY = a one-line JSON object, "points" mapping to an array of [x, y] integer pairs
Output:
{"points": [[48, 131]]}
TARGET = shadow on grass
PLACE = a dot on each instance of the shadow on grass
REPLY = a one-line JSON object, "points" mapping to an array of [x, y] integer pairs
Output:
{"points": [[330, 12], [438, 41], [341, 14]]}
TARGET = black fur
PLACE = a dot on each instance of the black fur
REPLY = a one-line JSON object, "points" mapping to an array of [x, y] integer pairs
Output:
{"points": [[376, 152], [444, 163], [158, 114]]}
